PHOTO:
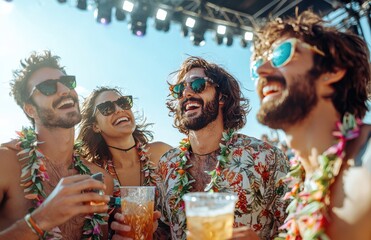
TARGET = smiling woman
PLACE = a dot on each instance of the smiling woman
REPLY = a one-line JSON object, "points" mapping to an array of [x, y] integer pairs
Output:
{"points": [[112, 138]]}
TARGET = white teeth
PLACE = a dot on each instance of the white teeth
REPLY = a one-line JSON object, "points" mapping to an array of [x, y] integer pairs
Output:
{"points": [[122, 119], [192, 105], [271, 88], [65, 102]]}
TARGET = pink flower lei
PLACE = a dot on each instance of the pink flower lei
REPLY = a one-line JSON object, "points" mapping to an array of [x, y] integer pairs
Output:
{"points": [[34, 173], [308, 210]]}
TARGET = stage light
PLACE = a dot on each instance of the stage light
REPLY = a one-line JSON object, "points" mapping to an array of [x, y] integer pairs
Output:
{"points": [[243, 43], [184, 30], [139, 16], [198, 39], [103, 16], [138, 28], [128, 6], [190, 22], [162, 20], [120, 14], [228, 40], [198, 32], [248, 36], [219, 38], [103, 12], [221, 29], [161, 14], [62, 1], [81, 4]]}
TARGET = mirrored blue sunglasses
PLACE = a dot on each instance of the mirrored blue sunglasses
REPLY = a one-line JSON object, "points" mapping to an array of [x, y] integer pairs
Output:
{"points": [[281, 55]]}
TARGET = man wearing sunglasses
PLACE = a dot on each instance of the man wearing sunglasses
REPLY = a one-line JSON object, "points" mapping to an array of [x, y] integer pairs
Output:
{"points": [[314, 83], [208, 106], [45, 187]]}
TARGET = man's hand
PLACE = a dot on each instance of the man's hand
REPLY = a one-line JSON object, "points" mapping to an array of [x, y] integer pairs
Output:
{"points": [[70, 198]]}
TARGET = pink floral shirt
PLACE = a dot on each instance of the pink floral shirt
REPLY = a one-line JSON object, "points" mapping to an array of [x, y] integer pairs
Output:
{"points": [[254, 173]]}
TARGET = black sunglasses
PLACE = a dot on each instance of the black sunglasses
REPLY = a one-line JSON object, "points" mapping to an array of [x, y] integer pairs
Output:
{"points": [[107, 108], [198, 85], [49, 87]]}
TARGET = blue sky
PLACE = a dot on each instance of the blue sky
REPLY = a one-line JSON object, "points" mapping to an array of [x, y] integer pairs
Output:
{"points": [[109, 55]]}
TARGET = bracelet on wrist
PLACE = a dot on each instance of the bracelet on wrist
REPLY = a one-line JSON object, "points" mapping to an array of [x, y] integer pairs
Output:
{"points": [[34, 227]]}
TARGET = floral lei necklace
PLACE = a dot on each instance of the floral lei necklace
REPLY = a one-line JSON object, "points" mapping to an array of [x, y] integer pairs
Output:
{"points": [[308, 210], [148, 167], [183, 184], [36, 172]]}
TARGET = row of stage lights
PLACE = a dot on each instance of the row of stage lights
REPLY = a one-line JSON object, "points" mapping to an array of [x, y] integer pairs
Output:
{"points": [[195, 26]]}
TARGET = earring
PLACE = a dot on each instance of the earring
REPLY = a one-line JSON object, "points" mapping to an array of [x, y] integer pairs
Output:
{"points": [[326, 78]]}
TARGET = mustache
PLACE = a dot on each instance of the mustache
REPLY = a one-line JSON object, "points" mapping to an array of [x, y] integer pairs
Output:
{"points": [[192, 99], [263, 81], [58, 101]]}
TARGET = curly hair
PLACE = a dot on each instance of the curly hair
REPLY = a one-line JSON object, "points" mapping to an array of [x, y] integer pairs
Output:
{"points": [[30, 65], [343, 50], [235, 107], [93, 145]]}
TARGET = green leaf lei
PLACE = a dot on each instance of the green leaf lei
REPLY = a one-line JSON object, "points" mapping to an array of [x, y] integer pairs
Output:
{"points": [[34, 173], [183, 184], [308, 210]]}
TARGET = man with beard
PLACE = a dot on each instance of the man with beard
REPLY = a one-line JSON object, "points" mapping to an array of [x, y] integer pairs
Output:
{"points": [[46, 188], [208, 106], [314, 83]]}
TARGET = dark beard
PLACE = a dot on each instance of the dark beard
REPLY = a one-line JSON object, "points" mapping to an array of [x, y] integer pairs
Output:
{"points": [[296, 102], [50, 120], [208, 114]]}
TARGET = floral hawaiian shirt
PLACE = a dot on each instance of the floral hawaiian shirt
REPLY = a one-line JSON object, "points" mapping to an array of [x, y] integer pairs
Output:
{"points": [[254, 173]]}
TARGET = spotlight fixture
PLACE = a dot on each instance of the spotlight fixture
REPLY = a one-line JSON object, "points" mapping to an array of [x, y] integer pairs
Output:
{"points": [[139, 16], [82, 4], [219, 34], [120, 14], [198, 32], [103, 15], [228, 40], [162, 20], [243, 43], [128, 6], [119, 11], [190, 22], [161, 14], [248, 36], [184, 30], [103, 12], [221, 29]]}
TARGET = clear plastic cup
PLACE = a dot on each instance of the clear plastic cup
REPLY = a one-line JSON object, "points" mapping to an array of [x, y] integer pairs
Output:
{"points": [[137, 206], [210, 216]]}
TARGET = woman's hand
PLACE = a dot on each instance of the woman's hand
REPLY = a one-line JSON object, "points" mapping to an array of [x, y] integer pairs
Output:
{"points": [[120, 228]]}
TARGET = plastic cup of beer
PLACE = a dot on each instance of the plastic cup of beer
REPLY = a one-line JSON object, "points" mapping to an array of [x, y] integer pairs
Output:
{"points": [[210, 216], [137, 206]]}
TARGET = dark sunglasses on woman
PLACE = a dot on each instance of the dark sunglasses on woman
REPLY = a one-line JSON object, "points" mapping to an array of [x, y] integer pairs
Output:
{"points": [[107, 108]]}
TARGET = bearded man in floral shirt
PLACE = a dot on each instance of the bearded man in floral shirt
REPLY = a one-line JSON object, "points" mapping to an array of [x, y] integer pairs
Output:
{"points": [[208, 106]]}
